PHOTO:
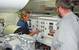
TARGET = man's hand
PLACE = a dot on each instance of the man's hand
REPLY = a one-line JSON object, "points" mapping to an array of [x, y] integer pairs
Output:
{"points": [[34, 31]]}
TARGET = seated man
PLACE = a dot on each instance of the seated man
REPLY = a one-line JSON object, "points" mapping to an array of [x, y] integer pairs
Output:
{"points": [[24, 29]]}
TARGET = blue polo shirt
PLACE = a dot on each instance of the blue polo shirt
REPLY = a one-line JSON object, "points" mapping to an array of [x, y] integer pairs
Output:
{"points": [[24, 26]]}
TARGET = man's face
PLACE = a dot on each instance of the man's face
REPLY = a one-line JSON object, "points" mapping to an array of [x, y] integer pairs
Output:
{"points": [[26, 17], [59, 13]]}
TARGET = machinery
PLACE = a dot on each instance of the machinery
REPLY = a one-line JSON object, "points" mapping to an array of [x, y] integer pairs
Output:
{"points": [[13, 41], [46, 24], [25, 42], [17, 42]]}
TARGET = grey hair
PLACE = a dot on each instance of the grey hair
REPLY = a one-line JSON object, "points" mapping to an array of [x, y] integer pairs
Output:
{"points": [[64, 3]]}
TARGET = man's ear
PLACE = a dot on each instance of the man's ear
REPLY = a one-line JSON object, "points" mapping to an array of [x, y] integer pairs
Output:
{"points": [[61, 9]]}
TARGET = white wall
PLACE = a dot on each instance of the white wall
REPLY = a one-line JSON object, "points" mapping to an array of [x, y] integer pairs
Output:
{"points": [[9, 18]]}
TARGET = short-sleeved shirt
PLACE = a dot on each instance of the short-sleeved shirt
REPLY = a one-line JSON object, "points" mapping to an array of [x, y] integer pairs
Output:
{"points": [[67, 32], [24, 26]]}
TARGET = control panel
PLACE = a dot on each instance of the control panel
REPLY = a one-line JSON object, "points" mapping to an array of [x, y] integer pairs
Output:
{"points": [[45, 24]]}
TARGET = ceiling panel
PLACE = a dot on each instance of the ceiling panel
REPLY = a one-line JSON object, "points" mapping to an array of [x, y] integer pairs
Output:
{"points": [[41, 6]]}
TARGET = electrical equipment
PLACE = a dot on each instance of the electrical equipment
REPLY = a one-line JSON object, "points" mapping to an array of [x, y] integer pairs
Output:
{"points": [[18, 42], [45, 24]]}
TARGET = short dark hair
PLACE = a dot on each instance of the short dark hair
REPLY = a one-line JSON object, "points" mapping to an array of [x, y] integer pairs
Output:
{"points": [[64, 3], [25, 11]]}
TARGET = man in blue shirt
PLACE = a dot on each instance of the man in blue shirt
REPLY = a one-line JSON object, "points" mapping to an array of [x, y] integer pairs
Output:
{"points": [[24, 29], [24, 26]]}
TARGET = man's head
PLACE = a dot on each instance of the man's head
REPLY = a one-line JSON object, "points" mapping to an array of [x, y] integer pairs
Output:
{"points": [[63, 7], [25, 15]]}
